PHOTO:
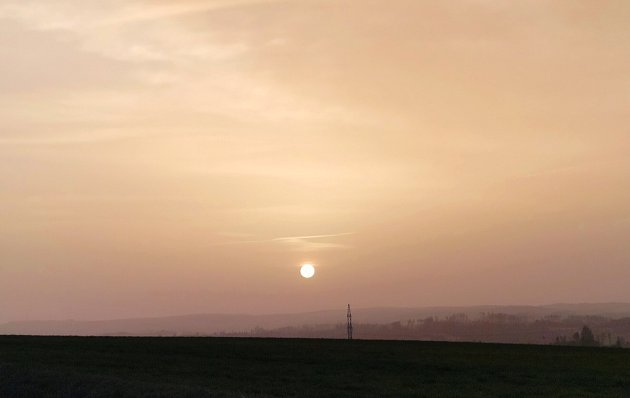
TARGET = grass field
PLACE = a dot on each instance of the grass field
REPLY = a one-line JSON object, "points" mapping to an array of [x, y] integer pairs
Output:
{"points": [[231, 367]]}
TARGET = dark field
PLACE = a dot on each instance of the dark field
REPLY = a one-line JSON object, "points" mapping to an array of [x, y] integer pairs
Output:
{"points": [[230, 367]]}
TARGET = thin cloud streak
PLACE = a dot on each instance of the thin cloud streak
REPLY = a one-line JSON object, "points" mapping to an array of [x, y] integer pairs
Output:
{"points": [[295, 240], [68, 16], [292, 238], [158, 12]]}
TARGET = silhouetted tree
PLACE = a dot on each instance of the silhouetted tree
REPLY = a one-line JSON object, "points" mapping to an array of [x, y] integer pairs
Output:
{"points": [[587, 338]]}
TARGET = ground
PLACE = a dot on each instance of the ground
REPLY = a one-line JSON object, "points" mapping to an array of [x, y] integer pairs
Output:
{"points": [[233, 367]]}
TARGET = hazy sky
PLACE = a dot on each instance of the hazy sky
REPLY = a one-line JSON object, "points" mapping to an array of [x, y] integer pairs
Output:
{"points": [[182, 156]]}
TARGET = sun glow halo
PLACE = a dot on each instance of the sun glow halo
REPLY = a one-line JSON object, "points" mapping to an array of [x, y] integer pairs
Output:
{"points": [[307, 270]]}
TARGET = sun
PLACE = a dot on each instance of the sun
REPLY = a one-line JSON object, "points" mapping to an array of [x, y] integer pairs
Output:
{"points": [[307, 270]]}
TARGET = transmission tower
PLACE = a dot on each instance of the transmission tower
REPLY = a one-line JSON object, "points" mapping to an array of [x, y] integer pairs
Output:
{"points": [[349, 323]]}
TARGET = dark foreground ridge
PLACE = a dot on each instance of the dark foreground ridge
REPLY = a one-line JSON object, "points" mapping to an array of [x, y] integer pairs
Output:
{"points": [[245, 367]]}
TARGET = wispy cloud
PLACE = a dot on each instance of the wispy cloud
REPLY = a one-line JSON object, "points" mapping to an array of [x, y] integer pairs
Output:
{"points": [[110, 29], [76, 15], [304, 242], [300, 238], [140, 12]]}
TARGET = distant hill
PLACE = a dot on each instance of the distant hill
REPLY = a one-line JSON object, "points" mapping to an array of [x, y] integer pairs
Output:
{"points": [[208, 324]]}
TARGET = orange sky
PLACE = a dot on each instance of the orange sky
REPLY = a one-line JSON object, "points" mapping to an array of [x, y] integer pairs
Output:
{"points": [[169, 157]]}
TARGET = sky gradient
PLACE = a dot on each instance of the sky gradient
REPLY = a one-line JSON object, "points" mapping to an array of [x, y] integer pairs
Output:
{"points": [[171, 157]]}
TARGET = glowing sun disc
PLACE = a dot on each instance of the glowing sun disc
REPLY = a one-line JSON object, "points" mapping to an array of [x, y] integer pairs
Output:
{"points": [[307, 271]]}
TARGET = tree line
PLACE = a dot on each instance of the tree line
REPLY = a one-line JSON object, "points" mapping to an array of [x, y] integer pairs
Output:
{"points": [[487, 327]]}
